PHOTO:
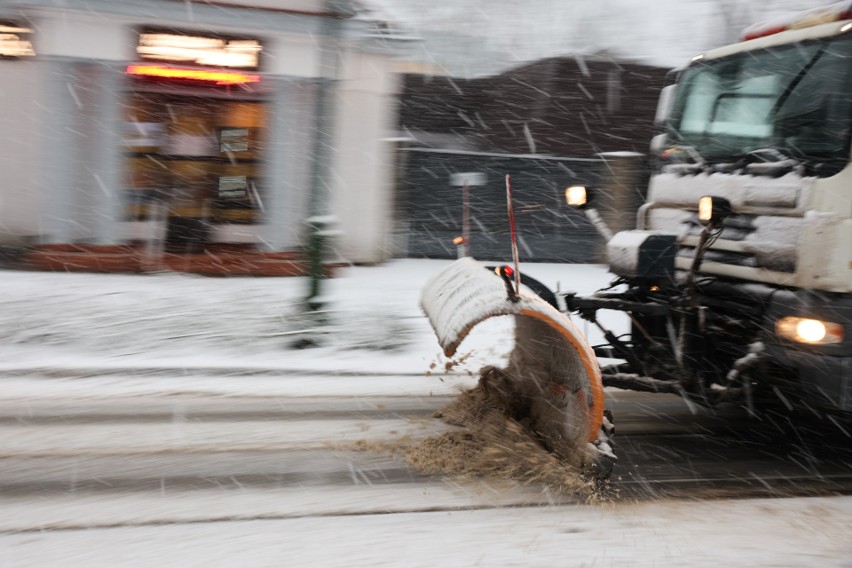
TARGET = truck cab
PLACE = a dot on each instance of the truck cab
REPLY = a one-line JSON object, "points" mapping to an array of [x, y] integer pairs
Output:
{"points": [[755, 302]]}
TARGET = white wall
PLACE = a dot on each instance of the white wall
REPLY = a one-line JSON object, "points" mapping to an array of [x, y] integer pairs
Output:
{"points": [[366, 116], [84, 36], [363, 170], [20, 135], [311, 6], [291, 55], [113, 37]]}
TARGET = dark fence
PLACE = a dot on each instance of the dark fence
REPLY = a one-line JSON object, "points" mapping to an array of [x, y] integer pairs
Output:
{"points": [[548, 229]]}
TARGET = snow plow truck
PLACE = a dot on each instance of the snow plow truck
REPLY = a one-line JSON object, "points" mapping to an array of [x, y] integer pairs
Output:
{"points": [[737, 280]]}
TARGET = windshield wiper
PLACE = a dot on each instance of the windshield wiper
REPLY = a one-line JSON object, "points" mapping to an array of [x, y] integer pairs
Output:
{"points": [[769, 160], [791, 86]]}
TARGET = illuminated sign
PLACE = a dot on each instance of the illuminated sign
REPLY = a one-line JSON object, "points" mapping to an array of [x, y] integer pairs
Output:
{"points": [[203, 75], [14, 41], [199, 50]]}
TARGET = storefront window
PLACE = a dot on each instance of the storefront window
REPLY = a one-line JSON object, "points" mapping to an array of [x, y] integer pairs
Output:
{"points": [[193, 128], [193, 161]]}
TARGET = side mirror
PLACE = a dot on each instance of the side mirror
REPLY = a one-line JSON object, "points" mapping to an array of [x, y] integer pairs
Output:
{"points": [[658, 143], [664, 104]]}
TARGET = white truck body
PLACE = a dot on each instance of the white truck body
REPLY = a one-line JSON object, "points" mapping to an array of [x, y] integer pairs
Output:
{"points": [[802, 224], [755, 303]]}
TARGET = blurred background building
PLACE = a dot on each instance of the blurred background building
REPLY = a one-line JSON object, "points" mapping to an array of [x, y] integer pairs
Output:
{"points": [[549, 124], [154, 130], [204, 136]]}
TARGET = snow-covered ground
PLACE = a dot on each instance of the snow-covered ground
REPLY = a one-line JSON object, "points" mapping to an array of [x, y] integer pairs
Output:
{"points": [[789, 533], [172, 323], [374, 323]]}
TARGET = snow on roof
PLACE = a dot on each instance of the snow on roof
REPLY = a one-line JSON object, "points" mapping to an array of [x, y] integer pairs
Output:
{"points": [[474, 38], [808, 18]]}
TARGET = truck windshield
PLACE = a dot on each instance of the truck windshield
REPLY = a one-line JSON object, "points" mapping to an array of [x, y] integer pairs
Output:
{"points": [[795, 99]]}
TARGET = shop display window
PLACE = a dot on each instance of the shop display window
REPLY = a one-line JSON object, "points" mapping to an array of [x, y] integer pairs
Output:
{"points": [[193, 160]]}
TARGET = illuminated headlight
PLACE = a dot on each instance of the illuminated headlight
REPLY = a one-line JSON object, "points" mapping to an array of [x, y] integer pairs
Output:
{"points": [[810, 331], [576, 195], [713, 210]]}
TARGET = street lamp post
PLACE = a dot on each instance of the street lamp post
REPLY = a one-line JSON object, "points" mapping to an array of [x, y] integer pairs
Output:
{"points": [[319, 218]]}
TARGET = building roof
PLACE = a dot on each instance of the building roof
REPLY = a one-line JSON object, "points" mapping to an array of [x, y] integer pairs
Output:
{"points": [[560, 106]]}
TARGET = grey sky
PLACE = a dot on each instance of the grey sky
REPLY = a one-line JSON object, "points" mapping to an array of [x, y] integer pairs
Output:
{"points": [[662, 32]]}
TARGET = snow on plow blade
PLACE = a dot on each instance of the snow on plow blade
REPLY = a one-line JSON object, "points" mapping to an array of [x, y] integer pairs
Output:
{"points": [[552, 370]]}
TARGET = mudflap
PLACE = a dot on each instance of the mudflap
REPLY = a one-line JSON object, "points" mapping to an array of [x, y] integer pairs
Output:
{"points": [[552, 369]]}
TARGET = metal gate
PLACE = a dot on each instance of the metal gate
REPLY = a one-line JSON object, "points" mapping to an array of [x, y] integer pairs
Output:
{"points": [[548, 230]]}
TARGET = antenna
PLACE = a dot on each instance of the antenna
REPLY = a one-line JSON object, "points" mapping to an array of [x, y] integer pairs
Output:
{"points": [[512, 232]]}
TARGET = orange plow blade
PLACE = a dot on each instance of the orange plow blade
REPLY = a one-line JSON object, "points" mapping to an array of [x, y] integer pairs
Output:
{"points": [[552, 370]]}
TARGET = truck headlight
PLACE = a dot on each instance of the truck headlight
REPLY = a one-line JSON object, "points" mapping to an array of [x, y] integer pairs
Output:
{"points": [[810, 331], [576, 196], [713, 210]]}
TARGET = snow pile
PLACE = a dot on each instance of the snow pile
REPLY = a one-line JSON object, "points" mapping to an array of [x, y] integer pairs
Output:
{"points": [[496, 442]]}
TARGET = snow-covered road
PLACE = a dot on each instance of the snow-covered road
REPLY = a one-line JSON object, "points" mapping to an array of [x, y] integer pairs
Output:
{"points": [[759, 533], [82, 356], [264, 471]]}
